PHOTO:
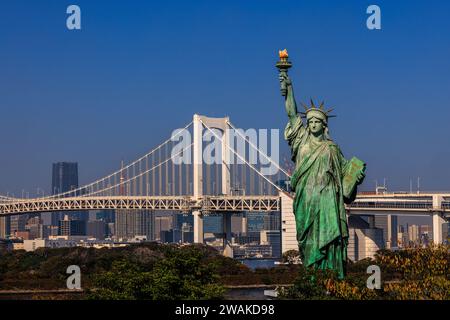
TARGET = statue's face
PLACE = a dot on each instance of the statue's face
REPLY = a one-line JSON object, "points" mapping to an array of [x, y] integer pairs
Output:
{"points": [[316, 126]]}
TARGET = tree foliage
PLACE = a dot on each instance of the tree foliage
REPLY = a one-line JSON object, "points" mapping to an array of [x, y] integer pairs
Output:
{"points": [[419, 273]]}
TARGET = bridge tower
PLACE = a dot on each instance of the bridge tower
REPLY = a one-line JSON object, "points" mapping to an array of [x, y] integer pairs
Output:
{"points": [[288, 228], [438, 219], [214, 123]]}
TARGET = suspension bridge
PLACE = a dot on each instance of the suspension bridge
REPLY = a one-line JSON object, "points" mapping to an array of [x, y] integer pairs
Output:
{"points": [[210, 166]]}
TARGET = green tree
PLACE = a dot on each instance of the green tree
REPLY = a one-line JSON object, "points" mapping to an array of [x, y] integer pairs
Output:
{"points": [[183, 273], [123, 282]]}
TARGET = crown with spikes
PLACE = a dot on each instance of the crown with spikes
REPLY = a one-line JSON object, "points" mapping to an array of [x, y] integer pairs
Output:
{"points": [[318, 112]]}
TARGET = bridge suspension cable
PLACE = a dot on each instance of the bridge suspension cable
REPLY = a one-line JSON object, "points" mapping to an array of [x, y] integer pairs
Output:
{"points": [[134, 178], [257, 149], [99, 185], [240, 157]]}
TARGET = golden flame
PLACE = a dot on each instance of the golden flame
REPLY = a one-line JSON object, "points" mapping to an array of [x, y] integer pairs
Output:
{"points": [[283, 54]]}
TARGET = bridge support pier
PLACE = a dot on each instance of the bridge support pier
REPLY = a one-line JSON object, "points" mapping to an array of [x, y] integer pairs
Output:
{"points": [[288, 228], [198, 226], [438, 219], [438, 222]]}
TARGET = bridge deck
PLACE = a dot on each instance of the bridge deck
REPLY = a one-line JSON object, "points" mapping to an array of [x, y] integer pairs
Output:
{"points": [[207, 204]]}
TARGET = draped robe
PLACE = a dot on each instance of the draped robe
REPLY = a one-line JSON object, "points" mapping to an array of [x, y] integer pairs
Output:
{"points": [[320, 216]]}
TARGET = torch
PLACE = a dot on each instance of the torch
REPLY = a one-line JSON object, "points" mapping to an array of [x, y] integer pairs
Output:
{"points": [[283, 65]]}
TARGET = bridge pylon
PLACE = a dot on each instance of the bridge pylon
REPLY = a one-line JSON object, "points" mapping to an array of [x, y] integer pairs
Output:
{"points": [[198, 193]]}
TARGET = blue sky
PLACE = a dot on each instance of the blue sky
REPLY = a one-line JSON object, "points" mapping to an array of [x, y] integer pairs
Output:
{"points": [[137, 70]]}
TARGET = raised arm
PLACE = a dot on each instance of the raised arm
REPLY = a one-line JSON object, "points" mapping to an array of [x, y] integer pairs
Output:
{"points": [[288, 93]]}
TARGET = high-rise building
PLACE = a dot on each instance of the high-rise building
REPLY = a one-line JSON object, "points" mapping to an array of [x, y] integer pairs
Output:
{"points": [[273, 238], [249, 238], [255, 221], [167, 236], [187, 234], [18, 223], [445, 232], [239, 224], [413, 233], [110, 229], [426, 229], [272, 221], [68, 227], [107, 216], [96, 229], [37, 229], [162, 223], [48, 231], [4, 227], [388, 224], [64, 178], [213, 224], [131, 223]]}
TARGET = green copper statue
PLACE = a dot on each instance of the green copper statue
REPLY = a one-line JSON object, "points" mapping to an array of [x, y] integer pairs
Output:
{"points": [[323, 182]]}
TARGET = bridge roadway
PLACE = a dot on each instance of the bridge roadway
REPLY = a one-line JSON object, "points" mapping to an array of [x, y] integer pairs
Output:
{"points": [[407, 204], [167, 203]]}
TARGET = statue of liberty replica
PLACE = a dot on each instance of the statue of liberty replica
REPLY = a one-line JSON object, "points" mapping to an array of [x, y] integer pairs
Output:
{"points": [[323, 181]]}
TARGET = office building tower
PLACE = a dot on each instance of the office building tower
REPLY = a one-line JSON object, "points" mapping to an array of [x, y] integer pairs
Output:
{"points": [[68, 227], [162, 223], [131, 223], [107, 216], [110, 229], [34, 227], [249, 238], [255, 221], [64, 178], [166, 236], [187, 233], [177, 222], [445, 232], [272, 221], [239, 224], [35, 230], [50, 231], [4, 227], [388, 224], [18, 223], [426, 229], [413, 233], [272, 238], [213, 224], [96, 229]]}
